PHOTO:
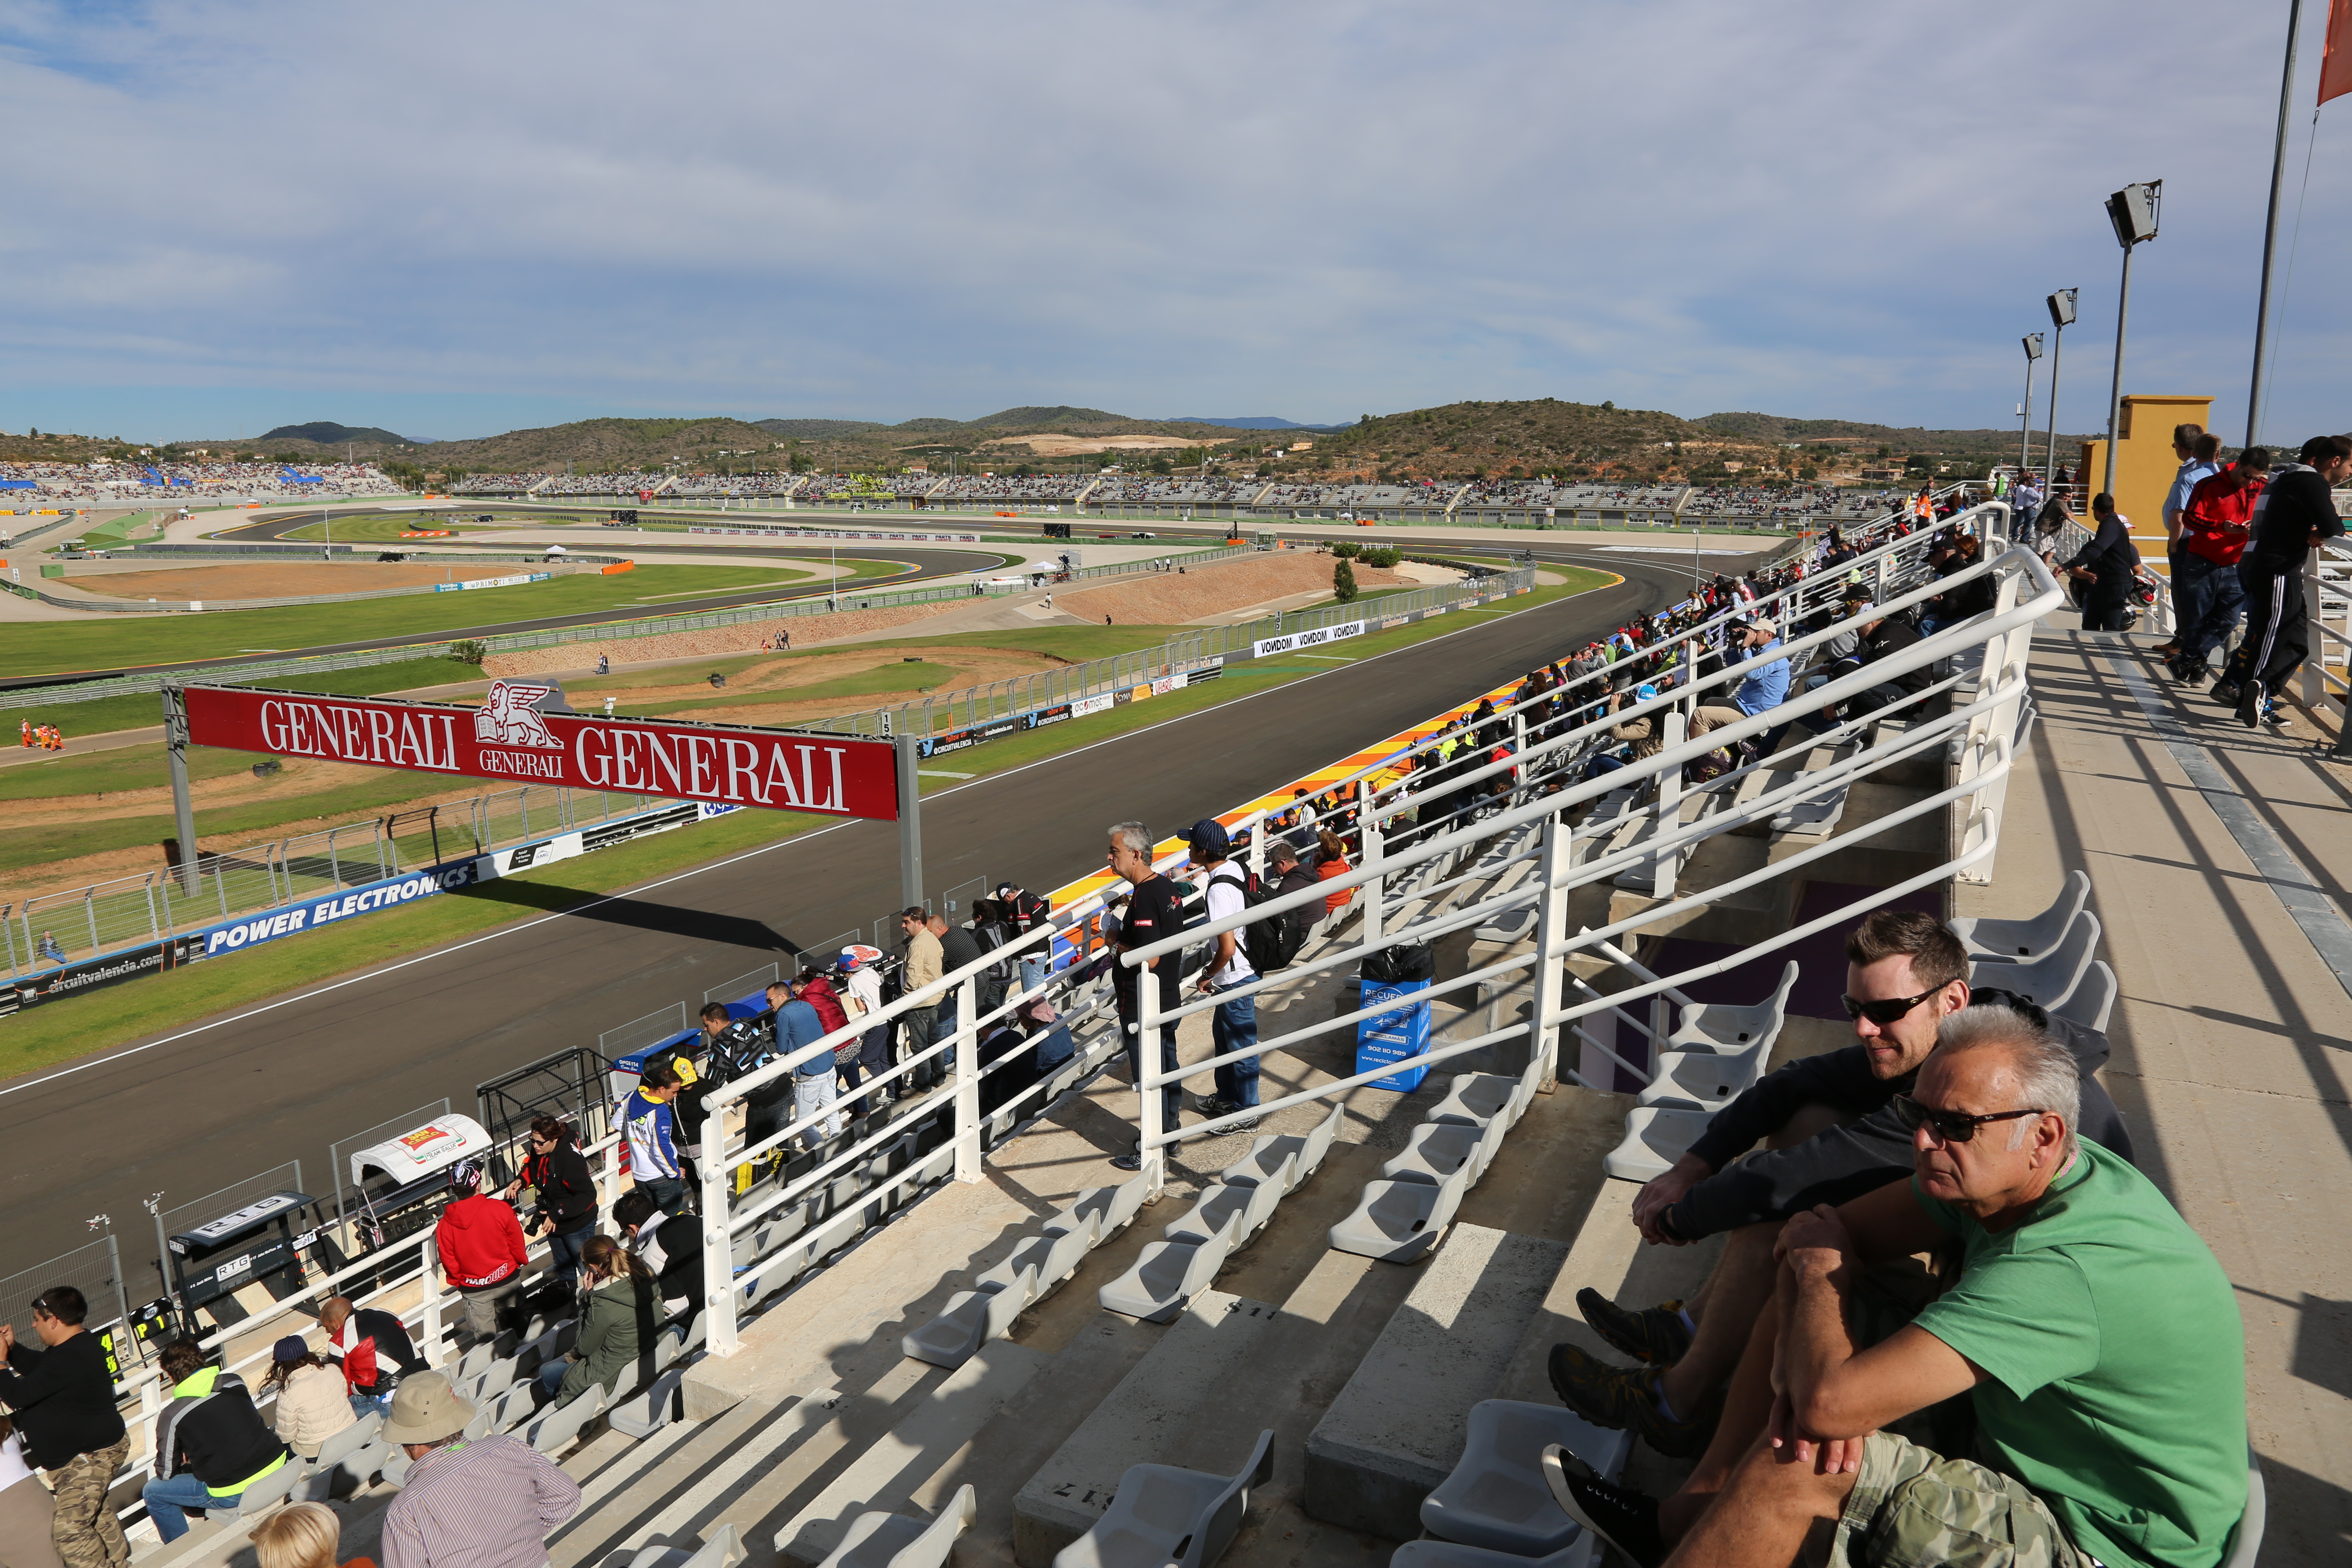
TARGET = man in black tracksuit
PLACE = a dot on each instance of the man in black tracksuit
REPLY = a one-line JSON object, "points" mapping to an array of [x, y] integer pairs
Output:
{"points": [[2294, 513], [1834, 1136]]}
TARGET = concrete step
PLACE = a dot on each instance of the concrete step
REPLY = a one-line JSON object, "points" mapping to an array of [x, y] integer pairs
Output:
{"points": [[1397, 1429], [895, 1471], [633, 1493], [1191, 1370]]}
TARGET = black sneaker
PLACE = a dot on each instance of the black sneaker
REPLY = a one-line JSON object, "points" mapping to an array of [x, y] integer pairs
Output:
{"points": [[1625, 1518], [2225, 692], [2250, 704], [1128, 1162], [1655, 1334], [2190, 673], [1215, 1105]]}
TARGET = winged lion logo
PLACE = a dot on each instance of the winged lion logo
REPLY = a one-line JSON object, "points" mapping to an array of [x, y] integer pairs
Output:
{"points": [[508, 718]]}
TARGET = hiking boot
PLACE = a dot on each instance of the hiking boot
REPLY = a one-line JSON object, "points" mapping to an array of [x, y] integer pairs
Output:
{"points": [[1625, 1397], [1655, 1334], [1625, 1518]]}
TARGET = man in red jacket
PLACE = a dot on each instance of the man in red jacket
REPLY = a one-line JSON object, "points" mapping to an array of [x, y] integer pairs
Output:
{"points": [[2206, 590], [481, 1249]]}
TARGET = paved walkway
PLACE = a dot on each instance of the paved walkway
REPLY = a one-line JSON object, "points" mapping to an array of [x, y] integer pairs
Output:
{"points": [[2219, 858]]}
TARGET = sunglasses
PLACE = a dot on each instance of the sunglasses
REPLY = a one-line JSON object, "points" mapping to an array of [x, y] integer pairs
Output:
{"points": [[1949, 1126], [1887, 1012]]}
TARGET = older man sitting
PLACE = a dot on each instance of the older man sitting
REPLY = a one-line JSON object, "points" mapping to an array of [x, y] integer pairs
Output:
{"points": [[2094, 1333]]}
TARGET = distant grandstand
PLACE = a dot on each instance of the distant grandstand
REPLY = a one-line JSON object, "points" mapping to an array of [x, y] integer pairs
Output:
{"points": [[145, 483]]}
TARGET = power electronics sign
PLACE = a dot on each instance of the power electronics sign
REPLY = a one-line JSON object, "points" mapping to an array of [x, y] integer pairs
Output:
{"points": [[311, 913], [523, 732]]}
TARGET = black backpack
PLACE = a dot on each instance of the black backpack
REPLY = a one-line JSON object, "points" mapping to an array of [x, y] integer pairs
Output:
{"points": [[1271, 942]]}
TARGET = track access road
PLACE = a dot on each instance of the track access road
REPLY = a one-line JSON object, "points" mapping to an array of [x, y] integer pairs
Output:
{"points": [[195, 1109]]}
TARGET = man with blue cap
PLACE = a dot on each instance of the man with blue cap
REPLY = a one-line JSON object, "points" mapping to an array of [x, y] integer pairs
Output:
{"points": [[1234, 1026]]}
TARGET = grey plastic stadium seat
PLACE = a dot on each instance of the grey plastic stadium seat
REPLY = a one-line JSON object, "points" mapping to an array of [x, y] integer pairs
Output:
{"points": [[1107, 1209], [773, 1234], [1219, 1203], [1167, 1274], [1305, 1151], [1162, 1517], [1704, 1081], [971, 1319], [496, 1379], [1580, 1554], [318, 1476], [2051, 979], [1496, 1496], [1440, 1151], [894, 1540], [2093, 998], [2245, 1543], [2023, 941], [1063, 1251], [645, 1414], [1475, 1098], [558, 1425], [1396, 1222], [513, 1408], [1655, 1137], [473, 1363], [393, 1471], [781, 1270], [268, 1491], [1715, 1026], [723, 1550]]}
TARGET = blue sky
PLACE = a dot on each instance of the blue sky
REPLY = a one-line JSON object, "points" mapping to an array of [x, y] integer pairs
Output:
{"points": [[451, 220]]}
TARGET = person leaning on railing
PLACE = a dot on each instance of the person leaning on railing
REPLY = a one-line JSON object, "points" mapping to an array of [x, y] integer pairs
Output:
{"points": [[2208, 599], [2296, 511]]}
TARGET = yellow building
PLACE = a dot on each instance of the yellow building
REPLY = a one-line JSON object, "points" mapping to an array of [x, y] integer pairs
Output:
{"points": [[2145, 464]]}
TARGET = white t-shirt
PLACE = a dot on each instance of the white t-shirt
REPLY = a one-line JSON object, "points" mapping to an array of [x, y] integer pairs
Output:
{"points": [[13, 1467], [1221, 890]]}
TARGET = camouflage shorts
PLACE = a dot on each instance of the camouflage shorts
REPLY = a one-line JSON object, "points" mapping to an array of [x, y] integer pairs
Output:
{"points": [[1911, 1508]]}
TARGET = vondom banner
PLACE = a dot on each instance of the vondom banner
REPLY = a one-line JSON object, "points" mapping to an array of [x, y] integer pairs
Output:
{"points": [[509, 737]]}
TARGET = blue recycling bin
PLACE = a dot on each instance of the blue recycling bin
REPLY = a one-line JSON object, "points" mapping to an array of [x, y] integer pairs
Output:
{"points": [[1399, 1036]]}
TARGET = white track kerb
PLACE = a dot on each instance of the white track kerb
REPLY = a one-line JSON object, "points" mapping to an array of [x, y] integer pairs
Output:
{"points": [[1398, 888]]}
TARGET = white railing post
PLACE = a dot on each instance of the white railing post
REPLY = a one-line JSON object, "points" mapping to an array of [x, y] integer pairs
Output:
{"points": [[1670, 812], [968, 1126], [1147, 1063], [719, 1292], [2315, 633], [1258, 845], [1374, 852], [1557, 861], [429, 1278]]}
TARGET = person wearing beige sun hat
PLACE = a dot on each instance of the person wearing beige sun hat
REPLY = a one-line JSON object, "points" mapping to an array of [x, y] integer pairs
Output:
{"points": [[487, 1502]]}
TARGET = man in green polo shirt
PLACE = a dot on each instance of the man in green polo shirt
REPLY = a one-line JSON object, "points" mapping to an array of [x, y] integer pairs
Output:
{"points": [[2095, 1334]]}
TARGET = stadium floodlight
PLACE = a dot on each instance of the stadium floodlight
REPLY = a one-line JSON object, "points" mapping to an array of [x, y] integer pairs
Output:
{"points": [[2061, 316], [2032, 342], [2133, 211]]}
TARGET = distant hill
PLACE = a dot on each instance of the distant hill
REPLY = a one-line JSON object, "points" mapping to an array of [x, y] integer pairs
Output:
{"points": [[1251, 422], [816, 429], [327, 433], [1778, 428]]}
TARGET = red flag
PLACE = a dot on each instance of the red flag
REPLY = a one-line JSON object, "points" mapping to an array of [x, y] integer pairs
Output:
{"points": [[2335, 62]]}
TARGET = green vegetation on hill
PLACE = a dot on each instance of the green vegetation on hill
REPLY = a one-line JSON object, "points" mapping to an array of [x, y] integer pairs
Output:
{"points": [[139, 709]]}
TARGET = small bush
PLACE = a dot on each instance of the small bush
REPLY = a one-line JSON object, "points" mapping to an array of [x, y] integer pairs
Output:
{"points": [[1346, 549], [468, 650], [1343, 581]]}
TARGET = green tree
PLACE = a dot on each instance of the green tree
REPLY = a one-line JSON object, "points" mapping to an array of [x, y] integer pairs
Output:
{"points": [[1343, 581]]}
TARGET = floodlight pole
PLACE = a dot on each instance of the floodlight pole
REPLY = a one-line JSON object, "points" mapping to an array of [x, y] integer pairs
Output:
{"points": [[2060, 306], [2025, 414], [2119, 212], [911, 822], [175, 751], [2270, 233]]}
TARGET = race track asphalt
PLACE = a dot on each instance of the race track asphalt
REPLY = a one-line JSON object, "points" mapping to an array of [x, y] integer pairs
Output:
{"points": [[195, 1110]]}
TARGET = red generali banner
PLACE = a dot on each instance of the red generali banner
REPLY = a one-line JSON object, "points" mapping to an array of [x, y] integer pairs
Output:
{"points": [[509, 737]]}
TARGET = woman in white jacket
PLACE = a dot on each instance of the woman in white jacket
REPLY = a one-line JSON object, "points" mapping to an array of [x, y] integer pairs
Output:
{"points": [[313, 1405]]}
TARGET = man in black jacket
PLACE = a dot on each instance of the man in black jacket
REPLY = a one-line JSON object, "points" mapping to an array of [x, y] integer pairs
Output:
{"points": [[1830, 1134], [62, 1399], [1873, 640], [2106, 567], [2296, 512], [671, 1246], [210, 1442]]}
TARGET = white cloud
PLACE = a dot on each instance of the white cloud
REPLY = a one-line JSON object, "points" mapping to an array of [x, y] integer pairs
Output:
{"points": [[504, 213]]}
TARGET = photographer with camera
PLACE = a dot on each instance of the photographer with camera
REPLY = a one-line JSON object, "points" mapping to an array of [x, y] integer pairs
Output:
{"points": [[559, 1192]]}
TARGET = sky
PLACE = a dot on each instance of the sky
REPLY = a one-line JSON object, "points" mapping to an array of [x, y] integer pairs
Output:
{"points": [[451, 220]]}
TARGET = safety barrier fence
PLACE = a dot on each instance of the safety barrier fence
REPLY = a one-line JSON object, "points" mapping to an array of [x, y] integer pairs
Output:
{"points": [[890, 1150], [2327, 609], [958, 713], [41, 933]]}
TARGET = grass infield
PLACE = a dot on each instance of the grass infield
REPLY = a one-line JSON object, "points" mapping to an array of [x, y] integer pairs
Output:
{"points": [[81, 1026]]}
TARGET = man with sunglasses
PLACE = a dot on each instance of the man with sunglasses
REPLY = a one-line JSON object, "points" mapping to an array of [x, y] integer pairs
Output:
{"points": [[2095, 1335], [1832, 1133]]}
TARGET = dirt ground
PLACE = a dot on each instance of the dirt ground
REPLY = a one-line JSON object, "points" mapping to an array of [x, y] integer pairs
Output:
{"points": [[279, 579], [1169, 599], [807, 631]]}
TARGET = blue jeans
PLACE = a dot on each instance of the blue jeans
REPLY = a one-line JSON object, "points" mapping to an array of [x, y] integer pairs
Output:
{"points": [[1233, 1027], [550, 1377], [667, 1192], [366, 1404], [2221, 600], [168, 1500], [563, 1249]]}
